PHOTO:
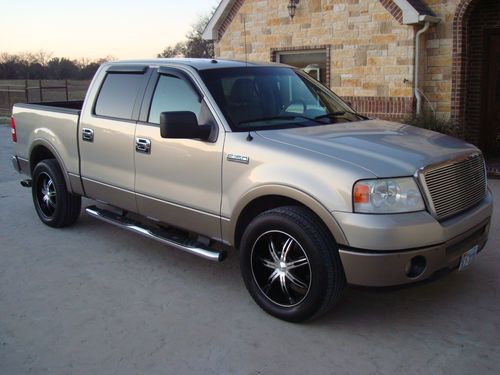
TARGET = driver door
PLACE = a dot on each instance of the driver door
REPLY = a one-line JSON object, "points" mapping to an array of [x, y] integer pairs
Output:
{"points": [[178, 181]]}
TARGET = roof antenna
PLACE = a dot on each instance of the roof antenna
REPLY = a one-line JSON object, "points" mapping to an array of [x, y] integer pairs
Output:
{"points": [[243, 19]]}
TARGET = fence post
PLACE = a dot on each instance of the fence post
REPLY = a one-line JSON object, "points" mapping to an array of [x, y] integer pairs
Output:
{"points": [[26, 93], [41, 91], [67, 96], [8, 96]]}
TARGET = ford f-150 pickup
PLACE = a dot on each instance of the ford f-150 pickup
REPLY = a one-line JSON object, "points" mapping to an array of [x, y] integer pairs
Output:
{"points": [[211, 155]]}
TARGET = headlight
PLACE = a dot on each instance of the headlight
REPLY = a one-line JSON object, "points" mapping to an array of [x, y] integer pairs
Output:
{"points": [[385, 196]]}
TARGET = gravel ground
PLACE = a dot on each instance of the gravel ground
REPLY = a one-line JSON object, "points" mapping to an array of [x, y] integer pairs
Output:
{"points": [[94, 299]]}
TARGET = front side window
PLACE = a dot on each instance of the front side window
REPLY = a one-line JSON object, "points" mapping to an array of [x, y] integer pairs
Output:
{"points": [[118, 94], [173, 94], [259, 98]]}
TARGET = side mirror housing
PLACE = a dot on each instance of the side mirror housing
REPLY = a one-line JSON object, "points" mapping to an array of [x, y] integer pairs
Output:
{"points": [[184, 125]]}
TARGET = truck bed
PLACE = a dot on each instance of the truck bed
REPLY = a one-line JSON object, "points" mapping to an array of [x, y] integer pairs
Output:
{"points": [[71, 106], [53, 125]]}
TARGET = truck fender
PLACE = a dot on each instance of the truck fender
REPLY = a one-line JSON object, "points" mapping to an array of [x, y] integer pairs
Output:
{"points": [[229, 226], [44, 143]]}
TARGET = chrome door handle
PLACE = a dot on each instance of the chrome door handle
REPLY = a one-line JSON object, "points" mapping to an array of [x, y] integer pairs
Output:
{"points": [[143, 145], [87, 135]]}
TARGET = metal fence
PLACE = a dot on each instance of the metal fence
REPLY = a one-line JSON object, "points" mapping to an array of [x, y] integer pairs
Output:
{"points": [[35, 91]]}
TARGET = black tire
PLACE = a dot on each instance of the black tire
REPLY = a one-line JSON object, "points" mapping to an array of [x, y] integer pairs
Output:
{"points": [[305, 250], [55, 206]]}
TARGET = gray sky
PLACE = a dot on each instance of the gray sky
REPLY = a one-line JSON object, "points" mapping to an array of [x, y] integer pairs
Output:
{"points": [[93, 28]]}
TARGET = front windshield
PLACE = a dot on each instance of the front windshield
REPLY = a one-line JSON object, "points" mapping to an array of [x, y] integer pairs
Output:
{"points": [[260, 98]]}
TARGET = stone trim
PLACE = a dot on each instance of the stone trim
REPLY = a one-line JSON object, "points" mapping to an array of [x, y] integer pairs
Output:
{"points": [[229, 18], [383, 107], [318, 47], [389, 5], [393, 9], [459, 68]]}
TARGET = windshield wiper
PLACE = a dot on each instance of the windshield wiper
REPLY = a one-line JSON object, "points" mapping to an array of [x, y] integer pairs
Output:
{"points": [[338, 114], [288, 117], [331, 114]]}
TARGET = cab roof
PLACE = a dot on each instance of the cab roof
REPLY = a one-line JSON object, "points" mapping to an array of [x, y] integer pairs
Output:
{"points": [[198, 64]]}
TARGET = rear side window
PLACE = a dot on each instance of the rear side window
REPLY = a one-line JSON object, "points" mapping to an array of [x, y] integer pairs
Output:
{"points": [[117, 96], [173, 94]]}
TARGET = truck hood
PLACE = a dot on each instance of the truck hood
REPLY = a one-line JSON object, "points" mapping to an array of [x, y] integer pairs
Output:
{"points": [[386, 149]]}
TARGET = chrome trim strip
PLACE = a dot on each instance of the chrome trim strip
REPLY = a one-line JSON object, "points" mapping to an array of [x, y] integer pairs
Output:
{"points": [[208, 254]]}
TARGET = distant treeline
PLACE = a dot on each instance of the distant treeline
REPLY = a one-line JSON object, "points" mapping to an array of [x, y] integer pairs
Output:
{"points": [[42, 65]]}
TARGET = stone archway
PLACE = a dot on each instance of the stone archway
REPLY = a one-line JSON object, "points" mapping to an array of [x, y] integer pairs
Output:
{"points": [[473, 21], [459, 69]]}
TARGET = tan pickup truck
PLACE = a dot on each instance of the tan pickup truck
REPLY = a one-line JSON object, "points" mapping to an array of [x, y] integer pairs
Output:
{"points": [[210, 155]]}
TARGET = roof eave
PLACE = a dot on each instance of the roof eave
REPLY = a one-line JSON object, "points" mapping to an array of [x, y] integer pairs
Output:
{"points": [[211, 31]]}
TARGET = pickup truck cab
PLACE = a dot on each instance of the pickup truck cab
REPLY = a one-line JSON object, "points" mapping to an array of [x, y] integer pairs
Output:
{"points": [[211, 155]]}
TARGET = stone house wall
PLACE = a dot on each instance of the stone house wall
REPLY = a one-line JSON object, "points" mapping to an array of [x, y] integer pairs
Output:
{"points": [[371, 53]]}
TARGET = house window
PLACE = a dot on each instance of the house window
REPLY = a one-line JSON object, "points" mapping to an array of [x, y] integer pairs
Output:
{"points": [[313, 62]]}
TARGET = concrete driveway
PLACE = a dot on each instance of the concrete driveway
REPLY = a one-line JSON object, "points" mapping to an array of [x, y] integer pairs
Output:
{"points": [[94, 299]]}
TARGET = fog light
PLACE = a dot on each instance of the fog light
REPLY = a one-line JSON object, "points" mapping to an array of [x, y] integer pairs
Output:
{"points": [[416, 266]]}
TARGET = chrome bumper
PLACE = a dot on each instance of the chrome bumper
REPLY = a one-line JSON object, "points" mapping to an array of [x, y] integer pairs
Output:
{"points": [[15, 163], [20, 165], [377, 269]]}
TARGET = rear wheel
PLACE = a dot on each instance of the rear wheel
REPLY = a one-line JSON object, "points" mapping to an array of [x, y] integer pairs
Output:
{"points": [[290, 264], [55, 206]]}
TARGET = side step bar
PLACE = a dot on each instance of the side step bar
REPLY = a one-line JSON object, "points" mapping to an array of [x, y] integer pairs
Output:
{"points": [[158, 234]]}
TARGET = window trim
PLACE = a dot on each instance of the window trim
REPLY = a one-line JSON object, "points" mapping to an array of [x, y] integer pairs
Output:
{"points": [[145, 71], [275, 52], [151, 89]]}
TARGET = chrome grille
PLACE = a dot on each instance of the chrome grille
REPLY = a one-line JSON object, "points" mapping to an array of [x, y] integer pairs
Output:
{"points": [[455, 186]]}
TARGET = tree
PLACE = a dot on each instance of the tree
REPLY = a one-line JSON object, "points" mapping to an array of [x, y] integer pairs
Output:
{"points": [[177, 50], [41, 65], [195, 45]]}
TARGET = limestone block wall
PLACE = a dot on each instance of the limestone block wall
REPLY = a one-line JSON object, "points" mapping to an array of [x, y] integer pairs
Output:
{"points": [[371, 53]]}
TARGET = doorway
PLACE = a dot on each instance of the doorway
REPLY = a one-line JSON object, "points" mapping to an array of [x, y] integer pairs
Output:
{"points": [[489, 140]]}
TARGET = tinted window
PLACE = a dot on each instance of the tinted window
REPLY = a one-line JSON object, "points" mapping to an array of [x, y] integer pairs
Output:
{"points": [[173, 94], [118, 94], [269, 98]]}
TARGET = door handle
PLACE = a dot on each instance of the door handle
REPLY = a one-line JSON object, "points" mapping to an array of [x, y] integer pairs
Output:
{"points": [[87, 135], [143, 145]]}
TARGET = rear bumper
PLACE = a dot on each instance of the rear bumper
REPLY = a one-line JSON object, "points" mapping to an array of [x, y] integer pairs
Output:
{"points": [[20, 165]]}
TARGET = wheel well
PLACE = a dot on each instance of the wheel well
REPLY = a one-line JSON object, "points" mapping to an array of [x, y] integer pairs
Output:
{"points": [[256, 207], [38, 154]]}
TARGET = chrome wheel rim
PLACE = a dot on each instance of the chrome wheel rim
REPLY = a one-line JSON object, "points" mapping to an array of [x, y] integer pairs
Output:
{"points": [[281, 268], [46, 195]]}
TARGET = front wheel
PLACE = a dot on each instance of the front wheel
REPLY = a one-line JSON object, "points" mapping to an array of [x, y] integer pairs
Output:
{"points": [[290, 264], [54, 205]]}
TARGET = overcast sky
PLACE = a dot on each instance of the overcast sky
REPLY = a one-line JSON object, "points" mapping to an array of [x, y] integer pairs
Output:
{"points": [[97, 28]]}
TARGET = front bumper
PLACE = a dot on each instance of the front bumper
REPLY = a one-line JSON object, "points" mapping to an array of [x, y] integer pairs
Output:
{"points": [[389, 243]]}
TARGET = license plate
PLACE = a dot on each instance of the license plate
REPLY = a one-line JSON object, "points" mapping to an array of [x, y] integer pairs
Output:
{"points": [[467, 258]]}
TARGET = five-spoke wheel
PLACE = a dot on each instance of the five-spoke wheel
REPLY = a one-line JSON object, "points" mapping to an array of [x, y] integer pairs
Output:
{"points": [[54, 205], [281, 268], [46, 194], [290, 264]]}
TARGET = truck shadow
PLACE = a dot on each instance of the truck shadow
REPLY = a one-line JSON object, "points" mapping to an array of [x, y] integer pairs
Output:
{"points": [[359, 308]]}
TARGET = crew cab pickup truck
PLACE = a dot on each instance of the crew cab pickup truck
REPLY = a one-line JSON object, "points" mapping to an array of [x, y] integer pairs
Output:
{"points": [[210, 155]]}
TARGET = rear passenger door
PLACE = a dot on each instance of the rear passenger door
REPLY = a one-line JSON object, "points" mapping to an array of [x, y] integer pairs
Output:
{"points": [[106, 136], [178, 181]]}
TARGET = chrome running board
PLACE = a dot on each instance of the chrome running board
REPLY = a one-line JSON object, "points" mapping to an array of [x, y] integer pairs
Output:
{"points": [[158, 234]]}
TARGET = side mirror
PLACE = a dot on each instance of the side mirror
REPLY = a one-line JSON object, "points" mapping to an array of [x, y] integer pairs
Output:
{"points": [[182, 124]]}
